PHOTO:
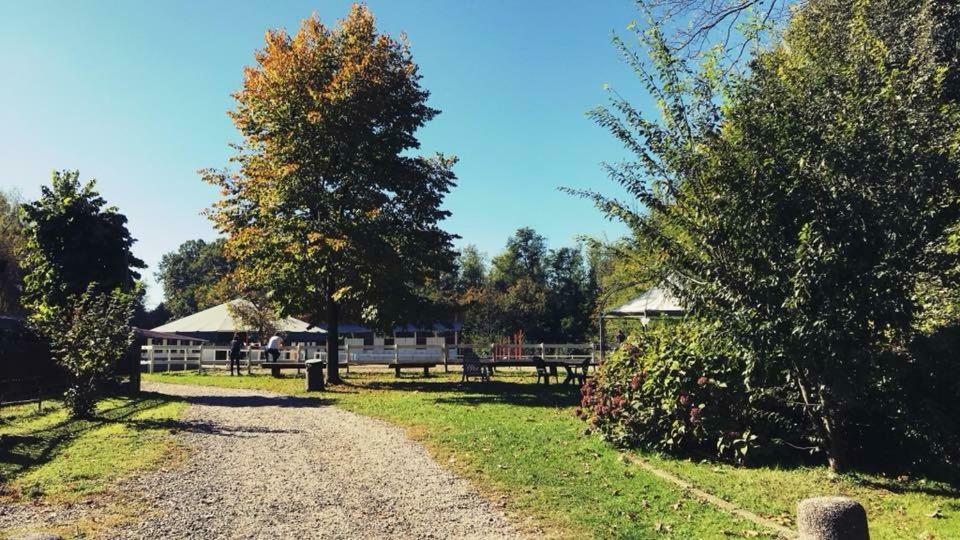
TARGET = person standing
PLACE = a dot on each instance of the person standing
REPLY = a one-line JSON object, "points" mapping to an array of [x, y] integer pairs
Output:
{"points": [[274, 346], [235, 346]]}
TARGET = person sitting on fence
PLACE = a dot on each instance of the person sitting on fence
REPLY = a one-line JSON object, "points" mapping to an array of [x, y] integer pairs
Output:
{"points": [[235, 346], [274, 346]]}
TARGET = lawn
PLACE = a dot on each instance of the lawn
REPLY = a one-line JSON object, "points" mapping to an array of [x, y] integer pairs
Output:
{"points": [[45, 454], [523, 446]]}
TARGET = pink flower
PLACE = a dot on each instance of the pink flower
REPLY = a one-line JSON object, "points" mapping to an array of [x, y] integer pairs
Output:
{"points": [[684, 399], [702, 381], [695, 415]]}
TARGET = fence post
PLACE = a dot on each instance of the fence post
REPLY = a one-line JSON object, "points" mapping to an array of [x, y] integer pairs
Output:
{"points": [[199, 360], [150, 359], [396, 353]]}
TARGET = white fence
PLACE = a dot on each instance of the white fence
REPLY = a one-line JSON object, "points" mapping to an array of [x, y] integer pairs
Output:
{"points": [[182, 357]]}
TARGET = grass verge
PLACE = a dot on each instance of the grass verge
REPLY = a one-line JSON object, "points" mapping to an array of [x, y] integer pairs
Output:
{"points": [[45, 454], [523, 446]]}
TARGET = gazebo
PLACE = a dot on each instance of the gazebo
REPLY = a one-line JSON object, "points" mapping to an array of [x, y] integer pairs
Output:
{"points": [[654, 302], [217, 325]]}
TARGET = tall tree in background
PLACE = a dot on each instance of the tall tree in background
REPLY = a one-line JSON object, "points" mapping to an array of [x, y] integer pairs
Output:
{"points": [[546, 294], [330, 211], [471, 268], [569, 301], [191, 276], [74, 239], [12, 240], [516, 296], [524, 258]]}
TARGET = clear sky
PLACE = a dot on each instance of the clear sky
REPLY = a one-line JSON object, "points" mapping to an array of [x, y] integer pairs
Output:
{"points": [[135, 94]]}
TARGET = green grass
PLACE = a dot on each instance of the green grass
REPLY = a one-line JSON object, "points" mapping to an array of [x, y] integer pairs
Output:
{"points": [[47, 454], [522, 445], [896, 508]]}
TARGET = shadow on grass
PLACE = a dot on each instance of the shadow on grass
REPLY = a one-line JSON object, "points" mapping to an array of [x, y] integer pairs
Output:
{"points": [[21, 452], [524, 394], [949, 488]]}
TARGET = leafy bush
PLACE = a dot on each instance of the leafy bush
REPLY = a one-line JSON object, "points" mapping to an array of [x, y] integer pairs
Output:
{"points": [[87, 336], [680, 388]]}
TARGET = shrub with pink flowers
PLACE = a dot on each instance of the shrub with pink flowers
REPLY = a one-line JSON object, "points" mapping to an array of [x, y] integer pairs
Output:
{"points": [[678, 387]]}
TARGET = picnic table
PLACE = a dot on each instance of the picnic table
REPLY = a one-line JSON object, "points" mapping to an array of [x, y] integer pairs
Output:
{"points": [[570, 366], [397, 366], [275, 367]]}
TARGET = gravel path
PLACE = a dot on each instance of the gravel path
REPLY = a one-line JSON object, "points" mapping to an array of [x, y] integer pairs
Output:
{"points": [[261, 467]]}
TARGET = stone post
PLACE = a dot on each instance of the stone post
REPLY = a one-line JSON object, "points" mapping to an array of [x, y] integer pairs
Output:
{"points": [[831, 518]]}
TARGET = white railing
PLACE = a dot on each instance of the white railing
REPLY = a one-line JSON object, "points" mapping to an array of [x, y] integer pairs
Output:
{"points": [[168, 357]]}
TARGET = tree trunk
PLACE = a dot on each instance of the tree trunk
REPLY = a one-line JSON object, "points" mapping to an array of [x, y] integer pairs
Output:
{"points": [[836, 454], [822, 416], [333, 338]]}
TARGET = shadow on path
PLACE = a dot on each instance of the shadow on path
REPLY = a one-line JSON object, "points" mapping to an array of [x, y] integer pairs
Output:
{"points": [[256, 401], [205, 427]]}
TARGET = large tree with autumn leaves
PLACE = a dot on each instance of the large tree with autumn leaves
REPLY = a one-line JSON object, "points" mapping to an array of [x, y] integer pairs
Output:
{"points": [[327, 208]]}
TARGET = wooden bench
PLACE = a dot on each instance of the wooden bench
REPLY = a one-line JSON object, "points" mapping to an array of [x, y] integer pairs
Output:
{"points": [[425, 365], [275, 367]]}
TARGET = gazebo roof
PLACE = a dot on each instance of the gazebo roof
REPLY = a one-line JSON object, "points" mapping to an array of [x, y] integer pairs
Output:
{"points": [[654, 301], [219, 319]]}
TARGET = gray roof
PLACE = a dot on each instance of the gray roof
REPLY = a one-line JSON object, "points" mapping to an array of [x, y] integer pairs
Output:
{"points": [[654, 301]]}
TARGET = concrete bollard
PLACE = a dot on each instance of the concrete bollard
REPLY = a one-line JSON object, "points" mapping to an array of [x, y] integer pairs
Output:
{"points": [[831, 518]]}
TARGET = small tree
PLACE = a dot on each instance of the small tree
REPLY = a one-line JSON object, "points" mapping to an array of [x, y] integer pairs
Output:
{"points": [[80, 287], [88, 335], [257, 316]]}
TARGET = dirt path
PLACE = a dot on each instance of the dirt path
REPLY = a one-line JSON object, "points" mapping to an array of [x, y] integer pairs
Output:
{"points": [[262, 467]]}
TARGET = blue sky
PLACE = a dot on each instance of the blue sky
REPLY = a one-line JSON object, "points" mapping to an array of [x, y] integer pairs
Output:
{"points": [[135, 95]]}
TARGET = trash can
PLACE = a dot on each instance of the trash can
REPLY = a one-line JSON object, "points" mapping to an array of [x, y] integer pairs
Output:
{"points": [[315, 375]]}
